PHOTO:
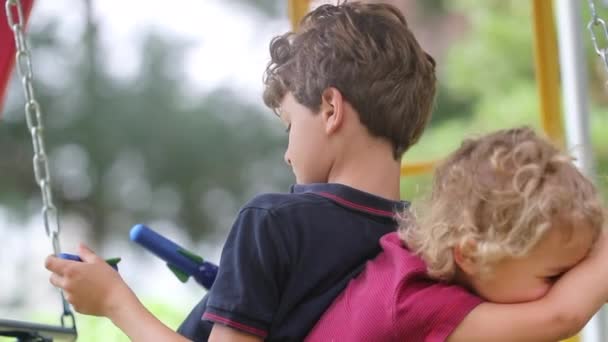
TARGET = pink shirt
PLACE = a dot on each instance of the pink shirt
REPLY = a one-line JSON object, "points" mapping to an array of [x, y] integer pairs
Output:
{"points": [[394, 300]]}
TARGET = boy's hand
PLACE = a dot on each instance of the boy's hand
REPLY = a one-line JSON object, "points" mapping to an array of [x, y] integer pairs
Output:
{"points": [[92, 286]]}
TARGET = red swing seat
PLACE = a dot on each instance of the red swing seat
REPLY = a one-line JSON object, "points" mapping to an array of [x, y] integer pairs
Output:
{"points": [[7, 47]]}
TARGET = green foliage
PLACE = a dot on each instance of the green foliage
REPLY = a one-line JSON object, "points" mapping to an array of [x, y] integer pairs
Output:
{"points": [[496, 56], [491, 73]]}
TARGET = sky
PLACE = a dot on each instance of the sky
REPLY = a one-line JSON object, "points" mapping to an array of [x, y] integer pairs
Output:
{"points": [[229, 48], [229, 39]]}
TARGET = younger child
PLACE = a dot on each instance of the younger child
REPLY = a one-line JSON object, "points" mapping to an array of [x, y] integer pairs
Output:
{"points": [[354, 90], [502, 254]]}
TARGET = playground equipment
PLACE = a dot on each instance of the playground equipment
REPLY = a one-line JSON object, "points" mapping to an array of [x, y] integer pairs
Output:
{"points": [[16, 15]]}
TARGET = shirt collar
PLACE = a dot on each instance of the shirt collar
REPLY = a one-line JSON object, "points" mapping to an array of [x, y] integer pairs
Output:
{"points": [[353, 198]]}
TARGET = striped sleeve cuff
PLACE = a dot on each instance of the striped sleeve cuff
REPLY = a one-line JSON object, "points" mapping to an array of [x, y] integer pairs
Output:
{"points": [[234, 321]]}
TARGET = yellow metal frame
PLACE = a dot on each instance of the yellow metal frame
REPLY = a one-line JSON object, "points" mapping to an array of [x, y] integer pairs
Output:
{"points": [[547, 70], [297, 10]]}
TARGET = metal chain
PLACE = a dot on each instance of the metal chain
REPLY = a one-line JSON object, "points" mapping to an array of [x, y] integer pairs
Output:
{"points": [[33, 115], [596, 23]]}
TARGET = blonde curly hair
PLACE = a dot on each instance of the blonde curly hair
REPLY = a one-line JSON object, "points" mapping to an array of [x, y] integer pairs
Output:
{"points": [[499, 193]]}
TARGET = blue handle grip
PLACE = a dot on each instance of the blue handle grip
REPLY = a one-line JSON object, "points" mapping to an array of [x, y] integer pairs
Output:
{"points": [[182, 262], [67, 256]]}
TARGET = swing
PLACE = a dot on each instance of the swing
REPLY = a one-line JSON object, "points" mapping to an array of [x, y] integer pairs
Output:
{"points": [[596, 23], [16, 15], [182, 263], [33, 332]]}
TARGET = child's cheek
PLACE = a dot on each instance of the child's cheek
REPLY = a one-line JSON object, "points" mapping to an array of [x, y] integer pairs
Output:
{"points": [[537, 292]]}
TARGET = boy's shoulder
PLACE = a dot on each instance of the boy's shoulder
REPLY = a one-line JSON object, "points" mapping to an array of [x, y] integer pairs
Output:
{"points": [[282, 202]]}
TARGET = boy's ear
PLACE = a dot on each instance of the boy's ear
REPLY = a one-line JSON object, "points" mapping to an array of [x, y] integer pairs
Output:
{"points": [[332, 109], [464, 257]]}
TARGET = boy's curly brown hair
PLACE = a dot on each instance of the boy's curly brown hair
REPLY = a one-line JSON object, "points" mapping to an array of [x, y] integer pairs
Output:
{"points": [[368, 53]]}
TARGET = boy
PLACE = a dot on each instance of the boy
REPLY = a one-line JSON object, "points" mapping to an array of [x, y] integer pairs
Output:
{"points": [[355, 91], [501, 254]]}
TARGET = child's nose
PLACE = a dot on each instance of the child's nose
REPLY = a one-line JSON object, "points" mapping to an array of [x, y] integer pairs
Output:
{"points": [[286, 158]]}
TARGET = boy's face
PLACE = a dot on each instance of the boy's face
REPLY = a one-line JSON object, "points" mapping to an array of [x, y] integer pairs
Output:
{"points": [[516, 280], [307, 150]]}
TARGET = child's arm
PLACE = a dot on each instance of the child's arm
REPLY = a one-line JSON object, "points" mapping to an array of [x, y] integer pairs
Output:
{"points": [[95, 288], [563, 312]]}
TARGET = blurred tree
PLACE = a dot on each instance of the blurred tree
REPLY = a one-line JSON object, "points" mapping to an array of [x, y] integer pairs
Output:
{"points": [[271, 8], [135, 150]]}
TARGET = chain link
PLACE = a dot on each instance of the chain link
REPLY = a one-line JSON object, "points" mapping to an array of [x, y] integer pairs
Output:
{"points": [[33, 115], [598, 28]]}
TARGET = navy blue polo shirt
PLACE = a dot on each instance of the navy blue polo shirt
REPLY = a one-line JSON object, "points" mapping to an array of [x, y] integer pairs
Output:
{"points": [[288, 256]]}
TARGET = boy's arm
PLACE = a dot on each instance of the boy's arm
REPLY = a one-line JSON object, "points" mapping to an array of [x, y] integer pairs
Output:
{"points": [[140, 325], [222, 333], [563, 312], [94, 288]]}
